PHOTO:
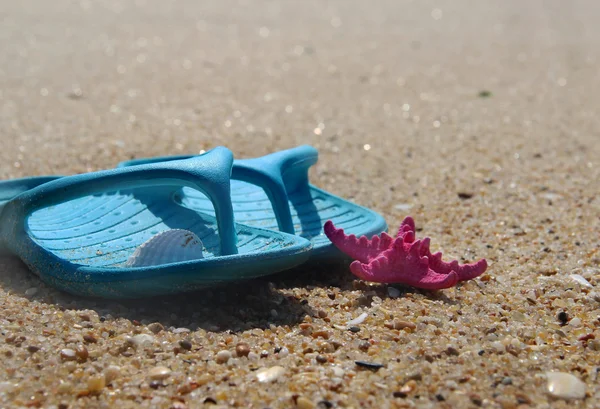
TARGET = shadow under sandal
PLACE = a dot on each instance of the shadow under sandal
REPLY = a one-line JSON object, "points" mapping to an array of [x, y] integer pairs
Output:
{"points": [[273, 192], [121, 233]]}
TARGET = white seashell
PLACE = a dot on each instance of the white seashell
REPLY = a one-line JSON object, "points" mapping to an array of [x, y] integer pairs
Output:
{"points": [[581, 280], [358, 320], [565, 386], [170, 246], [265, 375]]}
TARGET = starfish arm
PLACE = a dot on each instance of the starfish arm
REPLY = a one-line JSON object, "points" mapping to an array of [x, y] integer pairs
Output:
{"points": [[465, 272], [470, 271], [361, 249], [434, 281], [407, 226]]}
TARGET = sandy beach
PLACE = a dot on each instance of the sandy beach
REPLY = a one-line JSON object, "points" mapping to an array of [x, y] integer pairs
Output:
{"points": [[478, 119]]}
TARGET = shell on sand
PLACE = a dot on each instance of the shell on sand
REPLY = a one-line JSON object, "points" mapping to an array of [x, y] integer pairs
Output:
{"points": [[170, 246]]}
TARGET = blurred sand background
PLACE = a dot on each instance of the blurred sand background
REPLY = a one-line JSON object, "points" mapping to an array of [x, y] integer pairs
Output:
{"points": [[479, 119]]}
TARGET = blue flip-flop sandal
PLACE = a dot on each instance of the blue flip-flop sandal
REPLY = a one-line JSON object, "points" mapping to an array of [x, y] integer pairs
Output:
{"points": [[273, 192], [102, 233]]}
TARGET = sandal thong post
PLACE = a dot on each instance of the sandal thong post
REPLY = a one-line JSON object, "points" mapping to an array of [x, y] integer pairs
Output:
{"points": [[78, 232], [273, 192]]}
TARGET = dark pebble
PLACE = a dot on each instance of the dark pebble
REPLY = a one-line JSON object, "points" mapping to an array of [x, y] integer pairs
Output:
{"points": [[155, 384], [507, 380], [465, 195], [321, 359], [185, 344], [440, 397], [81, 353], [33, 348], [369, 365], [563, 318], [476, 400], [324, 404], [354, 329], [452, 351]]}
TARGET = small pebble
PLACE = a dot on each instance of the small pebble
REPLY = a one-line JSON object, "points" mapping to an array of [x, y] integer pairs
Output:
{"points": [[65, 387], [283, 352], [270, 374], [565, 386], [398, 324], [563, 317], [575, 322], [96, 383], [111, 373], [68, 354], [338, 371], [159, 373], [242, 349], [185, 344], [31, 291], [321, 359], [82, 353], [304, 403], [142, 340], [223, 356], [498, 347], [156, 327], [393, 292], [451, 351], [321, 334], [33, 348], [181, 330], [354, 329]]}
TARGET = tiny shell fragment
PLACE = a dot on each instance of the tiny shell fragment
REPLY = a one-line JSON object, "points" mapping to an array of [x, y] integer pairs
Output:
{"points": [[269, 374], [565, 386], [358, 320], [580, 280], [159, 373]]}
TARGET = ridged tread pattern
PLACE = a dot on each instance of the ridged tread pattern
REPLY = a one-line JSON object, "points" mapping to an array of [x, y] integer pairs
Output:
{"points": [[104, 230], [310, 209]]}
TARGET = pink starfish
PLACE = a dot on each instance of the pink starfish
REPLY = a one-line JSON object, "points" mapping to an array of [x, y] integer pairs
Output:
{"points": [[384, 259]]}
